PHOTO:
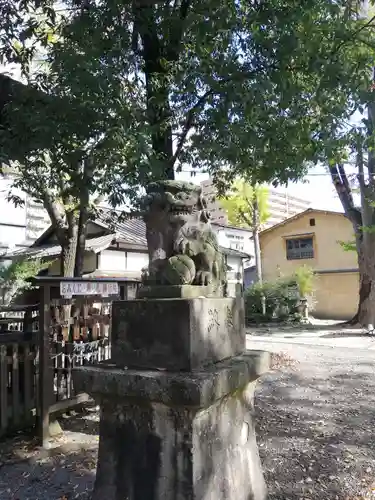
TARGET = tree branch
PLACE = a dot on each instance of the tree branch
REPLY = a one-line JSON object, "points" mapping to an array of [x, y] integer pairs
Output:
{"points": [[344, 193], [57, 219], [173, 49], [88, 171], [345, 182], [246, 219], [200, 102], [352, 36], [189, 123]]}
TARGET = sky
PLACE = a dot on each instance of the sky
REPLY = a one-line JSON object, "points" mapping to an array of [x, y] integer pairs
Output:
{"points": [[317, 188]]}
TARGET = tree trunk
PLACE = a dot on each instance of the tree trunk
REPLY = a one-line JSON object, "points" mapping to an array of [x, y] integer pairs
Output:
{"points": [[69, 251], [364, 240], [81, 243], [366, 305], [256, 225], [158, 109], [158, 55], [364, 314], [258, 259], [88, 170]]}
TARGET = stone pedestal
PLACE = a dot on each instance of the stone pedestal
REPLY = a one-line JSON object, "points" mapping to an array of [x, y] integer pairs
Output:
{"points": [[177, 334], [185, 436], [177, 403]]}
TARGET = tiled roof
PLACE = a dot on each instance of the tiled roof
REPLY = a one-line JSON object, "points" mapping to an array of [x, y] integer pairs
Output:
{"points": [[95, 245], [234, 252], [132, 230]]}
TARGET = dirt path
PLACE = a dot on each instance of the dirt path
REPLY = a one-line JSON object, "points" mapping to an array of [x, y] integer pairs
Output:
{"points": [[316, 424], [316, 432]]}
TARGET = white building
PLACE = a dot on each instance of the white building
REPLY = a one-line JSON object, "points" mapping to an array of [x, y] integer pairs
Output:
{"points": [[21, 225], [235, 238], [121, 251]]}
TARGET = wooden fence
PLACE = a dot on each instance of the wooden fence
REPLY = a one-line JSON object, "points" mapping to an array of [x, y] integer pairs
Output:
{"points": [[18, 394], [39, 346]]}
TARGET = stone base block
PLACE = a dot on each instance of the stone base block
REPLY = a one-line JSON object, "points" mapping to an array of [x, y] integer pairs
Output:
{"points": [[174, 436], [176, 292], [177, 334]]}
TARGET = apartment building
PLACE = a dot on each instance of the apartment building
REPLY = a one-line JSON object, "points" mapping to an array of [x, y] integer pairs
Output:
{"points": [[218, 214], [281, 205]]}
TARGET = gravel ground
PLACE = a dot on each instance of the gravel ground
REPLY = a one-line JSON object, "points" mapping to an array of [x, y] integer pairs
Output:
{"points": [[66, 471], [315, 412], [316, 420]]}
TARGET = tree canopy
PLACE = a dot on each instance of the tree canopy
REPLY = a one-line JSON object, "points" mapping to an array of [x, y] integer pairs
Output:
{"points": [[127, 92], [230, 87]]}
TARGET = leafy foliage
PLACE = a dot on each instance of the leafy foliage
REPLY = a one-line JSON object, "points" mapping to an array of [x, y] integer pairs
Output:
{"points": [[281, 301], [348, 246], [65, 136], [236, 88], [14, 277], [256, 90], [305, 280], [240, 201], [282, 297]]}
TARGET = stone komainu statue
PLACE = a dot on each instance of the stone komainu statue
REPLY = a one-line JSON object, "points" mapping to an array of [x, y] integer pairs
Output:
{"points": [[183, 248]]}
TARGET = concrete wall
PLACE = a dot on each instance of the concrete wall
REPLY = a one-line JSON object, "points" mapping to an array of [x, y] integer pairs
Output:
{"points": [[336, 292], [121, 260], [336, 295]]}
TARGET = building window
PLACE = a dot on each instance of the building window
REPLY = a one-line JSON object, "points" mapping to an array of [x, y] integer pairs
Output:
{"points": [[236, 246], [312, 222], [299, 248]]}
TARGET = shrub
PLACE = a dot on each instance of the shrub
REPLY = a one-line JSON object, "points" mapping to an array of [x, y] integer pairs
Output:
{"points": [[305, 278], [281, 301]]}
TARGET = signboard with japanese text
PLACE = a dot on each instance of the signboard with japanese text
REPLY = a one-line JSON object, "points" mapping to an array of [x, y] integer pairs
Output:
{"points": [[102, 288]]}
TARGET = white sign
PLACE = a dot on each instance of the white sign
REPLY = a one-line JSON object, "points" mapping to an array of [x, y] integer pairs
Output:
{"points": [[70, 288]]}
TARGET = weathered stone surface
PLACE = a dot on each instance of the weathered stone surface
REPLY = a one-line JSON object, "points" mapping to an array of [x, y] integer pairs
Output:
{"points": [[197, 389], [177, 334], [183, 247], [176, 292], [174, 436]]}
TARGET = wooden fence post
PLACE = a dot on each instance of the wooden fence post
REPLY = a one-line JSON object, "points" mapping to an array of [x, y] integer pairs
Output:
{"points": [[28, 320], [45, 380]]}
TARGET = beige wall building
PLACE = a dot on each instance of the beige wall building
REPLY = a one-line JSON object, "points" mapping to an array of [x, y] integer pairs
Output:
{"points": [[312, 238], [281, 205]]}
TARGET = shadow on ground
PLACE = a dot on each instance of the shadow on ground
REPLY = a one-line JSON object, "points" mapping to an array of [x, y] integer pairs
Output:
{"points": [[86, 420], [55, 477], [315, 426], [64, 471], [316, 434]]}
